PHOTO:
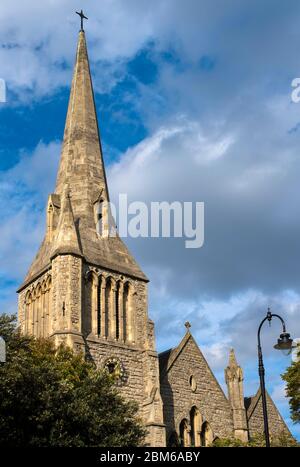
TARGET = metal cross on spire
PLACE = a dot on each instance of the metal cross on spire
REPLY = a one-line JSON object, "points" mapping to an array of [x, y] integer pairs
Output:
{"points": [[82, 16]]}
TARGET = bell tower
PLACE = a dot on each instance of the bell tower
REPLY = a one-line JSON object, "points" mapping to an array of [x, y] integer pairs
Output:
{"points": [[84, 288]]}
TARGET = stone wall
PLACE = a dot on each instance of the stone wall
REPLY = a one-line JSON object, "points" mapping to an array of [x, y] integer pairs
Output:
{"points": [[277, 426], [179, 397], [42, 284]]}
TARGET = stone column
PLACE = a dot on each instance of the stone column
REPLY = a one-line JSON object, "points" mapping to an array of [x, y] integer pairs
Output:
{"points": [[33, 313], [102, 306], [95, 282], [121, 312], [112, 311], [49, 328], [42, 314], [27, 315], [130, 314]]}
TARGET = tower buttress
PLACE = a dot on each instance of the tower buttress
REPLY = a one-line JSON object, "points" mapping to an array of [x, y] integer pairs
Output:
{"points": [[234, 380]]}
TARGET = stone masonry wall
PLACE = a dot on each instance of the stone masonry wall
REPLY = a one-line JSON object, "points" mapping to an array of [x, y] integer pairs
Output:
{"points": [[22, 297], [277, 427], [179, 398]]}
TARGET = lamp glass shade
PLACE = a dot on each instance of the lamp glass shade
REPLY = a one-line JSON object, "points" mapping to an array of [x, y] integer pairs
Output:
{"points": [[285, 344]]}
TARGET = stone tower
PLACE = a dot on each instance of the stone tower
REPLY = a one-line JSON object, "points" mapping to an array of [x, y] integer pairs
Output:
{"points": [[234, 380], [84, 288]]}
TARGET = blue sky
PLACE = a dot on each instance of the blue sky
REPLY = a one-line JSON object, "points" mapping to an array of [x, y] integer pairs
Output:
{"points": [[194, 104]]}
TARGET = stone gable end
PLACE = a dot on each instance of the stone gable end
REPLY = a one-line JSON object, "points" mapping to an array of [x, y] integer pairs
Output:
{"points": [[179, 397]]}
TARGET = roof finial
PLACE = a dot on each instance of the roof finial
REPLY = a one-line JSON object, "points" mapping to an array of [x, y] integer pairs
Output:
{"points": [[188, 325], [232, 358], [82, 16]]}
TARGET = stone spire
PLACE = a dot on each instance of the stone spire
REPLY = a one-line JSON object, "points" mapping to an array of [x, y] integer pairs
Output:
{"points": [[66, 241], [81, 165], [234, 380], [82, 172]]}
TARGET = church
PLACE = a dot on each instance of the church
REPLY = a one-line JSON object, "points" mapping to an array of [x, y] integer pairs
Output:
{"points": [[85, 289]]}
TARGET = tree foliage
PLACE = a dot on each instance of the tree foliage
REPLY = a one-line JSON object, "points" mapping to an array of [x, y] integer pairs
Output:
{"points": [[52, 397], [292, 378], [257, 441]]}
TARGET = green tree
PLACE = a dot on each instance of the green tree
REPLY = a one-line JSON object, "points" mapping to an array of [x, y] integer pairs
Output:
{"points": [[53, 397], [292, 378], [282, 440]]}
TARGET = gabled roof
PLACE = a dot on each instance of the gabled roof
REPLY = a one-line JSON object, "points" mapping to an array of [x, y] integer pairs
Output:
{"points": [[169, 357], [252, 402]]}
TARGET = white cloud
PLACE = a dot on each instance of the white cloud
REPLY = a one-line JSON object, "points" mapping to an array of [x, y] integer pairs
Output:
{"points": [[23, 195]]}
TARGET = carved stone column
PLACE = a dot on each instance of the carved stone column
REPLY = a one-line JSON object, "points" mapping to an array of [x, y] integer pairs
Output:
{"points": [[42, 314], [121, 312], [94, 317], [49, 311], [102, 307], [112, 311], [33, 312], [130, 315]]}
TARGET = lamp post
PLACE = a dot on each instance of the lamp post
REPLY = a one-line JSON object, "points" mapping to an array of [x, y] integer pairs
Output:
{"points": [[285, 344]]}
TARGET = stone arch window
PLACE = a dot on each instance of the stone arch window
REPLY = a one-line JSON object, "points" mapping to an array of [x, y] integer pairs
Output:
{"points": [[99, 316], [125, 309], [92, 304], [37, 309], [207, 436], [33, 312], [196, 423], [46, 307], [193, 383], [119, 287], [128, 313], [48, 328], [28, 312], [184, 435], [109, 307]]}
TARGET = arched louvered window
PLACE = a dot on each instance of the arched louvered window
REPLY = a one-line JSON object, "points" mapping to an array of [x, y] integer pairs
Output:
{"points": [[118, 314], [207, 436], [184, 433], [108, 307], [126, 325], [196, 422], [98, 306]]}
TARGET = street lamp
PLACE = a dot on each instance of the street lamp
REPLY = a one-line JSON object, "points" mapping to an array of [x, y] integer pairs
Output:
{"points": [[285, 344]]}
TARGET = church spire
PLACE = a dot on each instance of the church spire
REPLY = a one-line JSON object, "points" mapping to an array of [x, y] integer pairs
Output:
{"points": [[82, 174], [81, 166]]}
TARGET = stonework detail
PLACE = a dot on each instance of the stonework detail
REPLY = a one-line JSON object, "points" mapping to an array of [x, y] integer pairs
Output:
{"points": [[86, 290], [198, 414], [234, 380], [255, 418]]}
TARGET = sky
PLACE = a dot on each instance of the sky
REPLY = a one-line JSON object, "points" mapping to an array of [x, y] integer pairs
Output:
{"points": [[194, 104]]}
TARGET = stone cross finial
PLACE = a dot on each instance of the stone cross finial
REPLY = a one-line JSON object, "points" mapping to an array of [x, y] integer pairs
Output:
{"points": [[188, 325], [82, 16]]}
